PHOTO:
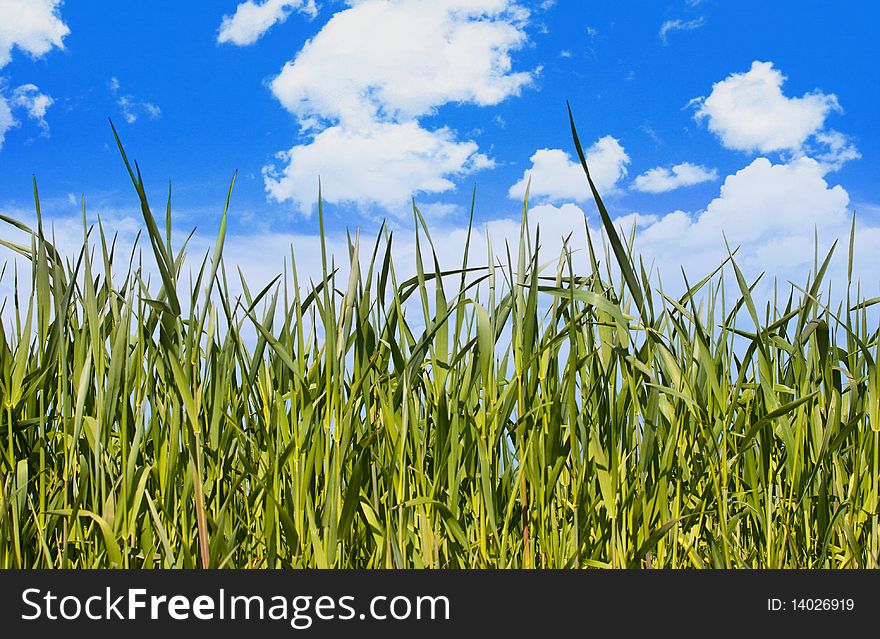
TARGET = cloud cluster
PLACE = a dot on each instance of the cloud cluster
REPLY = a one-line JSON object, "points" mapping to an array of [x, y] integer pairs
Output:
{"points": [[360, 88], [769, 210], [364, 86], [253, 19], [34, 27], [760, 209], [131, 107]]}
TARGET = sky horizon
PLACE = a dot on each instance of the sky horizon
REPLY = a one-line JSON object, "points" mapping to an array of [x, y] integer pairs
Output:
{"points": [[701, 121]]}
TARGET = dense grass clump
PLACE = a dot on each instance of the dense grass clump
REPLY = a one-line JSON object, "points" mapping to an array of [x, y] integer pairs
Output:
{"points": [[616, 426]]}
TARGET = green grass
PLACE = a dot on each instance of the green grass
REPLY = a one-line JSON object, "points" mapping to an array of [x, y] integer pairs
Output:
{"points": [[617, 426]]}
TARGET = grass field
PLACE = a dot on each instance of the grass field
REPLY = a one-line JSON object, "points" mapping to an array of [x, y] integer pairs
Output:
{"points": [[616, 426]]}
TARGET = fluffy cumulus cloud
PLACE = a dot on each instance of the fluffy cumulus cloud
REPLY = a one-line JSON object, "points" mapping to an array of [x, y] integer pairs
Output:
{"points": [[384, 163], [252, 19], [33, 26], [662, 179], [757, 206], [361, 86], [749, 112], [555, 176], [404, 58]]}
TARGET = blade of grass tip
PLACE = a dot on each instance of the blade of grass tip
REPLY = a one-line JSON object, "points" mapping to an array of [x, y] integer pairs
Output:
{"points": [[521, 257], [623, 259], [464, 261], [218, 251], [367, 284], [814, 288], [168, 222], [349, 299], [441, 343], [323, 236], [41, 273], [164, 261]]}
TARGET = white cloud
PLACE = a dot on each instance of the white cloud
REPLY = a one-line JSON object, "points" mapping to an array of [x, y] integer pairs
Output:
{"points": [[252, 20], [34, 26], [131, 107], [679, 25], [766, 200], [152, 110], [440, 210], [31, 101], [370, 74], [384, 164], [401, 59], [749, 112], [662, 179], [555, 176], [6, 119], [840, 149], [35, 103], [767, 210]]}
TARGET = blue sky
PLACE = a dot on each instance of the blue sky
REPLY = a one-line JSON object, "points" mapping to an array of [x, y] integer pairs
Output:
{"points": [[755, 119]]}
